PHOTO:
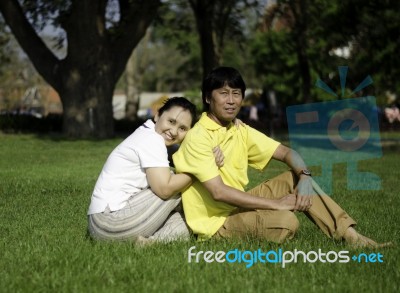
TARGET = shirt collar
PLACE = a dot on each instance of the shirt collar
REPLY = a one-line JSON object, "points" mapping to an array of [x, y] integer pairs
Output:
{"points": [[149, 124], [210, 124]]}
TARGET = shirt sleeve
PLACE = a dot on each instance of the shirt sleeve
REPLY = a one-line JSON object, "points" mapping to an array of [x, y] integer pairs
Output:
{"points": [[152, 151], [260, 147], [195, 156]]}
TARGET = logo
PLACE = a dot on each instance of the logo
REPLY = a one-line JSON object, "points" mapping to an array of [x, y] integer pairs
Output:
{"points": [[283, 258], [341, 131]]}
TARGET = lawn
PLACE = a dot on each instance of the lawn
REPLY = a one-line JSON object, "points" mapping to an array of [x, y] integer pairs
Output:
{"points": [[45, 188]]}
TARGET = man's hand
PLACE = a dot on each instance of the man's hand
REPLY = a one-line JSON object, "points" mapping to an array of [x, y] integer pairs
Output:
{"points": [[219, 156], [286, 203], [304, 193]]}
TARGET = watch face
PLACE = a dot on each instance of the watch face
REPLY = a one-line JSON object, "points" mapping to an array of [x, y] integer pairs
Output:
{"points": [[305, 172]]}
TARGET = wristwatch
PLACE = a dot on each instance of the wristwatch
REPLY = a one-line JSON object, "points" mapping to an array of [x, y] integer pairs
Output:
{"points": [[305, 172]]}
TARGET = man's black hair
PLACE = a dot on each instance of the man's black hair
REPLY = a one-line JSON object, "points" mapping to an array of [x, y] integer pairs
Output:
{"points": [[218, 78]]}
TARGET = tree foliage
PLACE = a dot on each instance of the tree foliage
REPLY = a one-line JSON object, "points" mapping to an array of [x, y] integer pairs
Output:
{"points": [[315, 32], [372, 28]]}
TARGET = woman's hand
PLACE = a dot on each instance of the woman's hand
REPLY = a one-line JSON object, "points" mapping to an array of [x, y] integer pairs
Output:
{"points": [[238, 122], [219, 156]]}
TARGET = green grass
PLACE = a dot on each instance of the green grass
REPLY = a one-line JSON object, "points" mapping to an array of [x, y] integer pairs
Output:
{"points": [[45, 188]]}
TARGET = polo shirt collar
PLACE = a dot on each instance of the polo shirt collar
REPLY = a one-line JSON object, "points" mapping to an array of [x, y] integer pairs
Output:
{"points": [[210, 124]]}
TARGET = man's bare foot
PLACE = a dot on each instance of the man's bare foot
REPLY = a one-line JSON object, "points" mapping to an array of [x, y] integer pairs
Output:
{"points": [[352, 237]]}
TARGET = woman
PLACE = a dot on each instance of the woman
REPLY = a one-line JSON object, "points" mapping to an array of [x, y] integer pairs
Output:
{"points": [[136, 194]]}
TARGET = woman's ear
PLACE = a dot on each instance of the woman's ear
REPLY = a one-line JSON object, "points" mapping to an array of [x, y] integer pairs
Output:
{"points": [[156, 117], [208, 100]]}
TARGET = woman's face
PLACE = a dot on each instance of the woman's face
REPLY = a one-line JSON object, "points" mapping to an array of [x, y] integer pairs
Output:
{"points": [[173, 124]]}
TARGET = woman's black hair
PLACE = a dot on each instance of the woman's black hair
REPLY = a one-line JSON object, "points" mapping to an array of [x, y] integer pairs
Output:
{"points": [[180, 102], [218, 78]]}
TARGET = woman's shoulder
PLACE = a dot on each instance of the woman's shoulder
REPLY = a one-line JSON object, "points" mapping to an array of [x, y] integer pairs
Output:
{"points": [[144, 136]]}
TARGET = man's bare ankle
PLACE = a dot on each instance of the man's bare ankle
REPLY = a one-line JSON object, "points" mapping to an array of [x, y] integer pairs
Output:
{"points": [[352, 237]]}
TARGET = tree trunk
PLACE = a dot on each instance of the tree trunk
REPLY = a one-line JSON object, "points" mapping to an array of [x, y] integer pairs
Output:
{"points": [[304, 68], [135, 67], [87, 111], [132, 90], [299, 9], [204, 13]]}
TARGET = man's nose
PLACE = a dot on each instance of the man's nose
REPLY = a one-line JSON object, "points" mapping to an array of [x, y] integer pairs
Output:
{"points": [[230, 98]]}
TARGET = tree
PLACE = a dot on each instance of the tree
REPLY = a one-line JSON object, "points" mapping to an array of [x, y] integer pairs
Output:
{"points": [[288, 21], [99, 43], [373, 29], [216, 20], [301, 34], [135, 67], [16, 71]]}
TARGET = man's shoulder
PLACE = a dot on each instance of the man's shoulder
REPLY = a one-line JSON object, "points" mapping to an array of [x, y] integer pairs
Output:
{"points": [[198, 130]]}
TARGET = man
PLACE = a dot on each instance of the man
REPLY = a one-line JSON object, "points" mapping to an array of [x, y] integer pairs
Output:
{"points": [[216, 205]]}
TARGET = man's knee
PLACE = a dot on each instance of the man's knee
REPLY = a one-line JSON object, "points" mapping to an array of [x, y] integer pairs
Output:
{"points": [[292, 227], [283, 229], [292, 222]]}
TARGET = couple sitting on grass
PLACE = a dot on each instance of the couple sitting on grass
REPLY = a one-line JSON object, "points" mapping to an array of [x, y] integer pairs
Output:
{"points": [[137, 196]]}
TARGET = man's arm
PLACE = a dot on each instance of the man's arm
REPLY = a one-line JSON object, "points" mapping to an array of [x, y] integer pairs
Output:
{"points": [[224, 193], [304, 189]]}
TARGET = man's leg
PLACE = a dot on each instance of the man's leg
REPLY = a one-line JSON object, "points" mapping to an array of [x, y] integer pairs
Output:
{"points": [[276, 226], [324, 212]]}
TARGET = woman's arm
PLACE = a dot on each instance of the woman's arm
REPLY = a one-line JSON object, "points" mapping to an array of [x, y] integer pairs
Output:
{"points": [[166, 184]]}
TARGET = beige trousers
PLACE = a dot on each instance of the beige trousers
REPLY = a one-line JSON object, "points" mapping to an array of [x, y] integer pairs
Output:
{"points": [[145, 214], [277, 226]]}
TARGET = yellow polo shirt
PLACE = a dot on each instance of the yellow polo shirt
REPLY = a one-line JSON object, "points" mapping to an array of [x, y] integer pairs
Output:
{"points": [[241, 147]]}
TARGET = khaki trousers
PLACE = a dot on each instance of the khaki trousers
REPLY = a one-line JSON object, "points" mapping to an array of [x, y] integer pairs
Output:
{"points": [[277, 226]]}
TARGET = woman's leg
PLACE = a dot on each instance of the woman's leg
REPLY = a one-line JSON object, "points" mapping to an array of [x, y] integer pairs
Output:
{"points": [[174, 228], [143, 215]]}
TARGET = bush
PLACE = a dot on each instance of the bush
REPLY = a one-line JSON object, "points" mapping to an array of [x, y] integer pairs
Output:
{"points": [[26, 123], [17, 123]]}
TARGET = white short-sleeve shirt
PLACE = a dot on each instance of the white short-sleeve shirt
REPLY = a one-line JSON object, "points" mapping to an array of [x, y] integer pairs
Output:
{"points": [[123, 174]]}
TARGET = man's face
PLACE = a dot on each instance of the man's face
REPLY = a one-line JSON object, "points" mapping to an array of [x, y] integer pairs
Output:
{"points": [[225, 104]]}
